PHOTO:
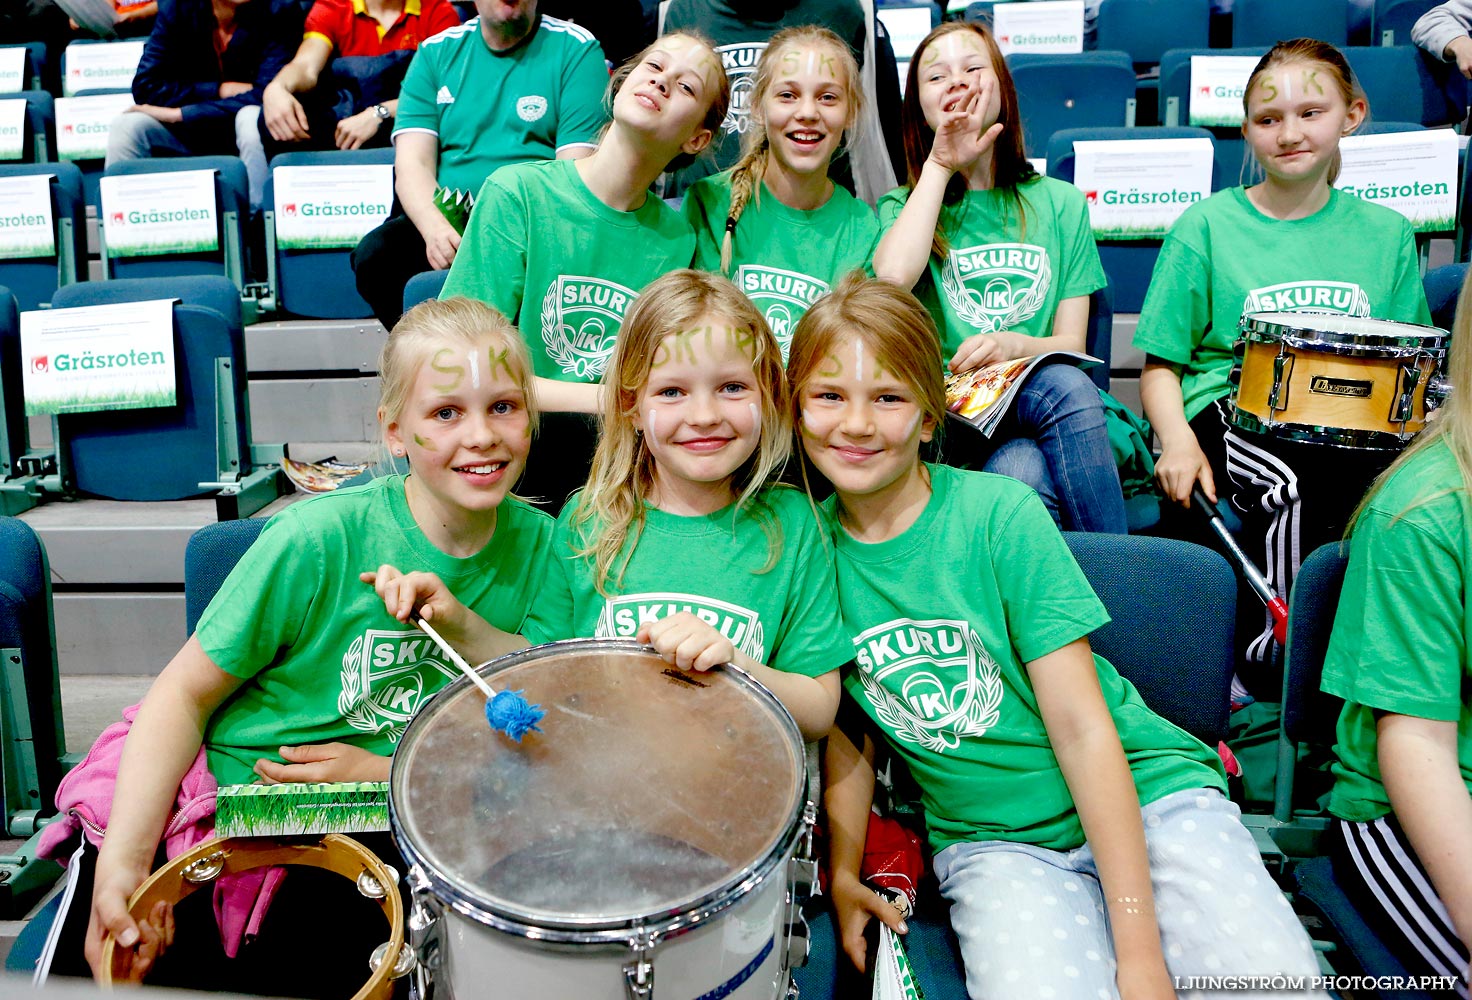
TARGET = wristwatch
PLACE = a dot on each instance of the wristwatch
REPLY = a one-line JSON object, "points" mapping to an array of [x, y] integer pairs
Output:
{"points": [[381, 112]]}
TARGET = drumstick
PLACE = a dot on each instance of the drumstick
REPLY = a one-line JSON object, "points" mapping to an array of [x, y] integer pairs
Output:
{"points": [[506, 711], [1276, 606]]}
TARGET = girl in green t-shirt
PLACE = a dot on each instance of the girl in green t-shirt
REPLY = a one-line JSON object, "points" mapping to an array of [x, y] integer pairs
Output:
{"points": [[775, 223], [280, 657], [1006, 261], [1398, 655], [1084, 842], [1289, 242]]}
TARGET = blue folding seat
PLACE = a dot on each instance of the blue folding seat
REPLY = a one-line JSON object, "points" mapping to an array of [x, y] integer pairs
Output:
{"points": [[211, 554], [1079, 90], [1175, 80], [1264, 22], [38, 144], [1393, 20], [35, 280], [34, 66], [74, 85], [1403, 84], [1146, 28], [424, 286], [1443, 288], [317, 284]]}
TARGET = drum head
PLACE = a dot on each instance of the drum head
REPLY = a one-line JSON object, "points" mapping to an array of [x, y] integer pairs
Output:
{"points": [[650, 792]]}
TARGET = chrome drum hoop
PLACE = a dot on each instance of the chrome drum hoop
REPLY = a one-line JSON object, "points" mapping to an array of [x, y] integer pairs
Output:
{"points": [[1334, 437], [1375, 339]]}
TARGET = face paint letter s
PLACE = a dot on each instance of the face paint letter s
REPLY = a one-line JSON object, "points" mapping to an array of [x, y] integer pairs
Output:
{"points": [[456, 373]]}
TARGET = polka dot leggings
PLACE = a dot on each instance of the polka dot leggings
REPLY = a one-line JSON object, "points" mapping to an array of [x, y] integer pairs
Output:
{"points": [[1031, 921]]}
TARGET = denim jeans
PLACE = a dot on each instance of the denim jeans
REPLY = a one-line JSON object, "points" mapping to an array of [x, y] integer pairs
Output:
{"points": [[134, 135]]}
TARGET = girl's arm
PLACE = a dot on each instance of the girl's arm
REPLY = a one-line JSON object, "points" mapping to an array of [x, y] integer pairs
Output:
{"points": [[1070, 333], [1418, 763], [161, 747], [425, 595], [1182, 463], [847, 798], [1086, 743], [568, 397]]}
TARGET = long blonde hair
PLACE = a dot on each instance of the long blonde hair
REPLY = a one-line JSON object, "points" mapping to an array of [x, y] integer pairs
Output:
{"points": [[1453, 423], [611, 508], [746, 175]]}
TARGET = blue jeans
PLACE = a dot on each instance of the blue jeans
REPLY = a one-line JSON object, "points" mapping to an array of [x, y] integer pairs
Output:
{"points": [[1054, 440], [134, 135], [1032, 922]]}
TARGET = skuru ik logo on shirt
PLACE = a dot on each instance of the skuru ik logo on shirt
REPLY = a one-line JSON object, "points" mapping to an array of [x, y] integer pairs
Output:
{"points": [[782, 296], [740, 61], [929, 682], [580, 320], [1309, 296], [997, 286], [386, 676], [531, 108], [622, 617]]}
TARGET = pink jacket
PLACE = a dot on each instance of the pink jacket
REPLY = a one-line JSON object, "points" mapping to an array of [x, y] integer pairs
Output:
{"points": [[84, 800]]}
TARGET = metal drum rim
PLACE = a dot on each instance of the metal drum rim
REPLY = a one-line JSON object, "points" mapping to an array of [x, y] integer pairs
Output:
{"points": [[1431, 341], [1335, 437], [659, 925]]}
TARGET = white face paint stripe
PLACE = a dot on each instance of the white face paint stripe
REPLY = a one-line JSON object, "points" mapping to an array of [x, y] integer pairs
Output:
{"points": [[474, 370], [756, 419], [858, 357], [812, 62], [1287, 87], [914, 425]]}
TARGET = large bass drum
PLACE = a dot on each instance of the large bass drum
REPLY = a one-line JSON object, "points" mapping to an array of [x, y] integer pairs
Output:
{"points": [[648, 835]]}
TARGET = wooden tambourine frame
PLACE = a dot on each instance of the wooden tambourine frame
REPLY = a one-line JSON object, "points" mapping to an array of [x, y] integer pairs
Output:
{"points": [[334, 852]]}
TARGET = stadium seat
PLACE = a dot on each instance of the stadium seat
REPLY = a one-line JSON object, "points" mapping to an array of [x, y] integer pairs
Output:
{"points": [[199, 446], [1377, 127], [211, 554], [317, 284], [39, 143], [1099, 335], [72, 83], [1404, 85], [1079, 90], [424, 286], [1146, 28], [15, 496], [1264, 22], [1443, 286], [1129, 264], [232, 205], [1393, 20], [34, 281], [30, 711], [1175, 80], [34, 71]]}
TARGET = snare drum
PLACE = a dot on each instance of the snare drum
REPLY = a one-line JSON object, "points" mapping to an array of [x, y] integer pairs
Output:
{"points": [[648, 835], [1333, 379]]}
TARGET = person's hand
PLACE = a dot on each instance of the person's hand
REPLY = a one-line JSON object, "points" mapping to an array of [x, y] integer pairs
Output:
{"points": [[285, 117], [960, 139], [234, 88], [1144, 980], [977, 350], [1459, 51], [424, 595], [357, 129], [112, 887], [855, 904], [441, 244], [166, 116], [323, 762], [1179, 468], [687, 642]]}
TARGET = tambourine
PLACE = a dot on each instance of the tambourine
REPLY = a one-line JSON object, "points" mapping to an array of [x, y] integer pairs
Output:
{"points": [[203, 864]]}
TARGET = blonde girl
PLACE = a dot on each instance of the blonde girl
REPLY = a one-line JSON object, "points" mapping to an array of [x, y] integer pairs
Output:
{"points": [[563, 247], [1398, 656], [680, 539], [1289, 242], [269, 662], [775, 223], [1085, 844], [1005, 261]]}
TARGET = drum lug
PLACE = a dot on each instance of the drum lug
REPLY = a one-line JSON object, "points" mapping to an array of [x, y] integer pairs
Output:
{"points": [[639, 977], [1282, 367], [424, 933], [1437, 390], [1403, 406], [799, 940]]}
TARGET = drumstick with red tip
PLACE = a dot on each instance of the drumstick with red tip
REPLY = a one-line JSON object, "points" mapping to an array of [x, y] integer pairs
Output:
{"points": [[1276, 606], [506, 711]]}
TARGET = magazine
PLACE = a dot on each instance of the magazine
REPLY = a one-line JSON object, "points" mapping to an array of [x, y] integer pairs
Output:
{"points": [[982, 396], [323, 476]]}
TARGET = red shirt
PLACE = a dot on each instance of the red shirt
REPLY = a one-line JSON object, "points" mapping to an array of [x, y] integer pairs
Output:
{"points": [[347, 26]]}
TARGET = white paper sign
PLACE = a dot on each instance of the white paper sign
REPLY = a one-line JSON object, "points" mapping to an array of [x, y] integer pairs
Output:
{"points": [[907, 27], [145, 215], [113, 357], [95, 65], [1137, 188], [26, 227], [1414, 173], [321, 207], [12, 69], [1039, 163], [82, 124], [12, 129], [1045, 26], [1217, 83]]}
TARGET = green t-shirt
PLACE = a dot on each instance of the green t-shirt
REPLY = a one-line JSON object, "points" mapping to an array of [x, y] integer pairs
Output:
{"points": [[783, 258], [943, 617], [321, 659], [488, 109], [786, 617], [1002, 272], [542, 249], [1399, 643], [1224, 258]]}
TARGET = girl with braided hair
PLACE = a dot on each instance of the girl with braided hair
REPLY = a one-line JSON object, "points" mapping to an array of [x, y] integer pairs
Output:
{"points": [[775, 223]]}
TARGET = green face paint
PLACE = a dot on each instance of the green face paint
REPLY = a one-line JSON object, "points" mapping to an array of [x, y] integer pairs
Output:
{"points": [[831, 367], [427, 446], [1267, 90], [1311, 79], [791, 61], [498, 361], [457, 371]]}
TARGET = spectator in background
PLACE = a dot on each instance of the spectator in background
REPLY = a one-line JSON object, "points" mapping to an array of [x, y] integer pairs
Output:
{"points": [[199, 83], [365, 46], [1442, 31], [740, 30], [507, 86]]}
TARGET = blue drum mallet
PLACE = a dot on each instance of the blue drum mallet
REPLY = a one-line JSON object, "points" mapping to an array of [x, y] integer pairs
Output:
{"points": [[506, 711]]}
